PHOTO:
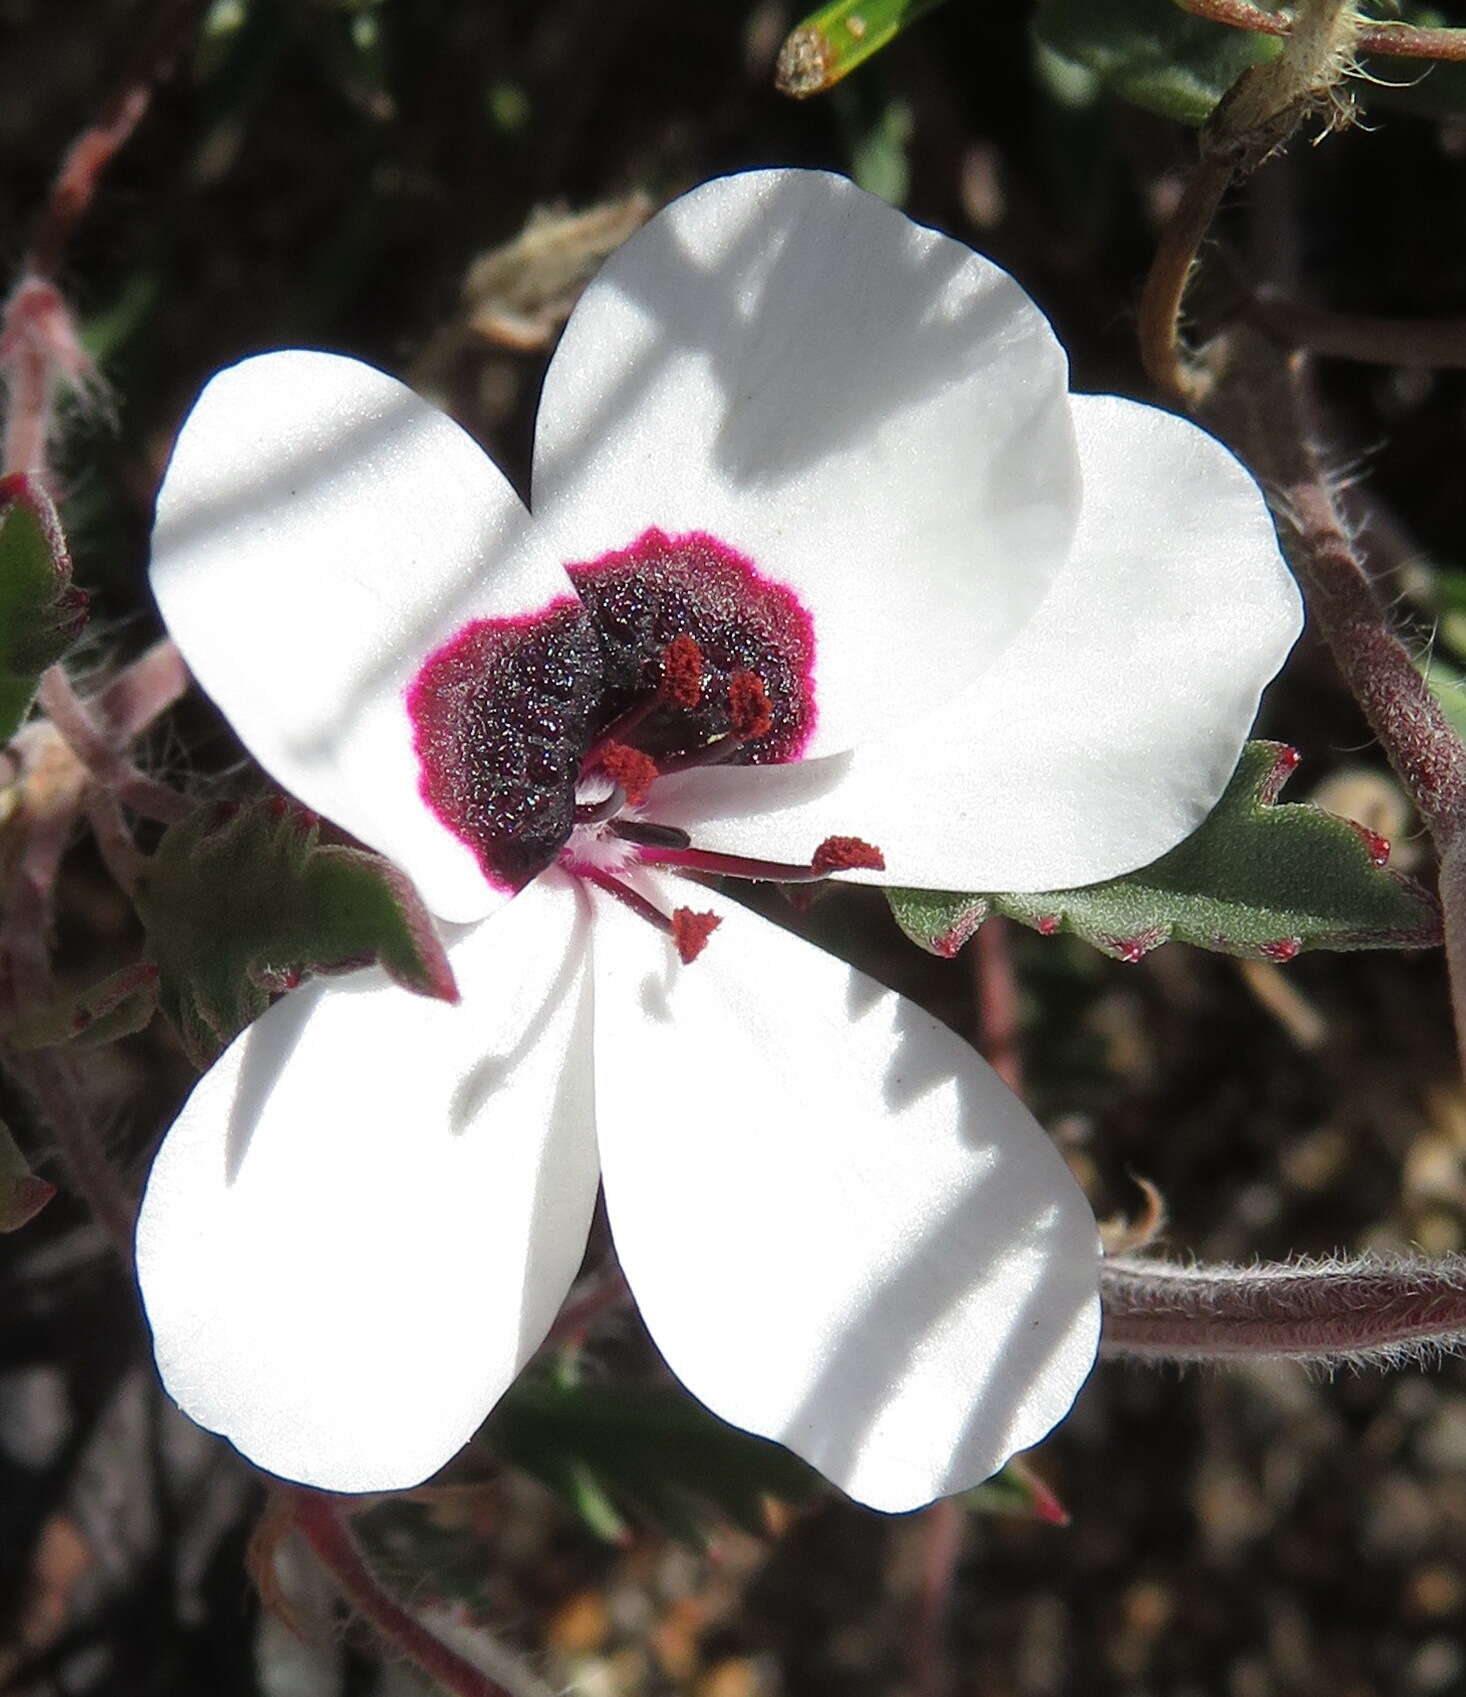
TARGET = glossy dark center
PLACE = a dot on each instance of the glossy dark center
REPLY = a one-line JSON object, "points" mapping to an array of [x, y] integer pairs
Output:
{"points": [[505, 712]]}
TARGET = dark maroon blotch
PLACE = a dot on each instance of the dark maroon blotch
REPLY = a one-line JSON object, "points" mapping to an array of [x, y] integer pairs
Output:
{"points": [[502, 716], [642, 598]]}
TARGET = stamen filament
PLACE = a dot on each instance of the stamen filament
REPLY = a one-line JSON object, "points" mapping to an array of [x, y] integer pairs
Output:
{"points": [[689, 931], [624, 894]]}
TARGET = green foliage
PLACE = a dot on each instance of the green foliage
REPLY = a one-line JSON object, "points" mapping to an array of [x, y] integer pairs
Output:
{"points": [[879, 161], [1256, 880], [22, 1194], [1146, 51], [116, 1007], [240, 903], [40, 613], [833, 41], [650, 1451], [1016, 1493]]}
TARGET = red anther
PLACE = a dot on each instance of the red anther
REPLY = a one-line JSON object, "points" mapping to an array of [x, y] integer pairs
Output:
{"points": [[1378, 846], [224, 811], [750, 712], [277, 807], [629, 769], [690, 932], [846, 854], [292, 978], [1046, 924], [1285, 948], [682, 672], [80, 1020]]}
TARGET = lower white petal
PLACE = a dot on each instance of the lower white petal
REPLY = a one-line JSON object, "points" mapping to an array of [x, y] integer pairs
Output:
{"points": [[369, 1211], [842, 1229], [1107, 730]]}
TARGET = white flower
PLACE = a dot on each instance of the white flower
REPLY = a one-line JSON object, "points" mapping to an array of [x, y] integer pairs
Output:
{"points": [[847, 562]]}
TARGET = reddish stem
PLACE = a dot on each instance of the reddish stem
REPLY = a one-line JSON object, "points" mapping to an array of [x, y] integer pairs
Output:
{"points": [[322, 1524], [1368, 1310], [997, 1002], [101, 755]]}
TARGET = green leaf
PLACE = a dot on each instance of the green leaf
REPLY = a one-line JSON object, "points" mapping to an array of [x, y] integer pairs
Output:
{"points": [[22, 1194], [1017, 1492], [831, 42], [1255, 879], [1149, 52], [648, 1450], [239, 903], [40, 613], [116, 1007]]}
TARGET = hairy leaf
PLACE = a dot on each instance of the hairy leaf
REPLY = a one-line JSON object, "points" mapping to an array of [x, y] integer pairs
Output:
{"points": [[1150, 53], [240, 903], [40, 613], [1254, 879], [1017, 1492], [650, 1451], [115, 1007], [22, 1194]]}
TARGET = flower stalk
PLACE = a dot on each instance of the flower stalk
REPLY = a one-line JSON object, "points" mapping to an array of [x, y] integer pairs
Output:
{"points": [[323, 1526], [1391, 39], [1370, 1311], [1258, 114]]}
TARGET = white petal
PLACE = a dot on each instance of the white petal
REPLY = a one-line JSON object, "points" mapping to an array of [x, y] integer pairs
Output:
{"points": [[1106, 732], [843, 1231], [320, 530], [869, 411], [368, 1213]]}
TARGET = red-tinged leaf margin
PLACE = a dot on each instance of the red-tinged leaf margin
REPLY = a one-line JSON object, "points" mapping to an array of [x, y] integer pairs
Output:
{"points": [[1256, 880], [41, 613], [22, 1194]]}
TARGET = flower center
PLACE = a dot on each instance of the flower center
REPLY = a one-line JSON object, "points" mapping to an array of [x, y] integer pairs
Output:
{"points": [[675, 645], [542, 738]]}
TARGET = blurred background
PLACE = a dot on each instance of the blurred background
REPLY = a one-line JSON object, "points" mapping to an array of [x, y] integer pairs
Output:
{"points": [[427, 184]]}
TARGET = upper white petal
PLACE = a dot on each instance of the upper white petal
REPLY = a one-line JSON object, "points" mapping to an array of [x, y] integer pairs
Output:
{"points": [[870, 411], [320, 530], [1106, 732], [842, 1230], [369, 1211]]}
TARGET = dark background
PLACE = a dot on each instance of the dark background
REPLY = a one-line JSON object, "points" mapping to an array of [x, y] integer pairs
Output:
{"points": [[327, 174]]}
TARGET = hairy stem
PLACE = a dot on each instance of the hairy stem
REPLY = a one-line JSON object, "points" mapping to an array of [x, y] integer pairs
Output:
{"points": [[102, 755], [1372, 1310], [1257, 116], [1394, 40], [323, 1526]]}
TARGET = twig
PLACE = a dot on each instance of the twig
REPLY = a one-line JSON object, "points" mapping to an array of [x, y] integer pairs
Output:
{"points": [[75, 185], [1392, 40], [944, 1523], [1432, 343], [55, 790], [1257, 116], [997, 1001], [1370, 1311], [100, 755], [322, 1524]]}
